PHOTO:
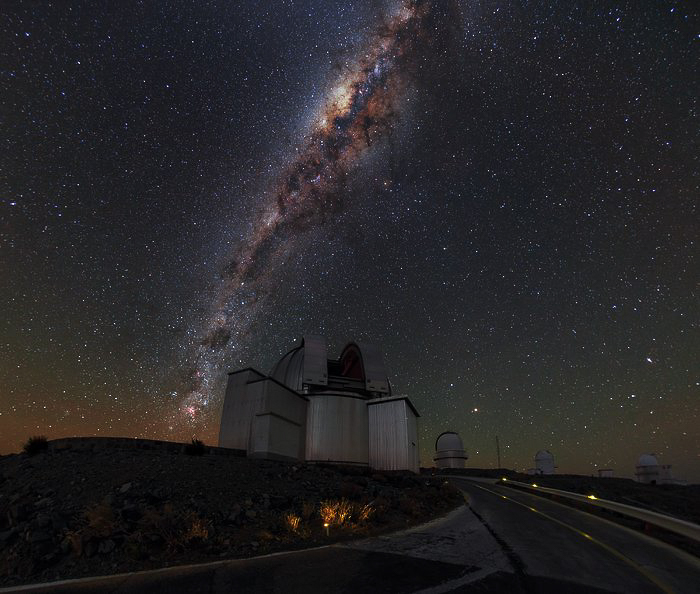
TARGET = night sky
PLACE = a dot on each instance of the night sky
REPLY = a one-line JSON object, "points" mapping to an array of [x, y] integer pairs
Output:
{"points": [[502, 195]]}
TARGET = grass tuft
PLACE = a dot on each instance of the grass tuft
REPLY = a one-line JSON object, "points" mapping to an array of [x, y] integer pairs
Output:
{"points": [[196, 448], [36, 444]]}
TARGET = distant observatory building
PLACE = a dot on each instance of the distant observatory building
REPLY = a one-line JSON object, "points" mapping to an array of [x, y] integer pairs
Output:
{"points": [[449, 451], [544, 463], [318, 409], [649, 471]]}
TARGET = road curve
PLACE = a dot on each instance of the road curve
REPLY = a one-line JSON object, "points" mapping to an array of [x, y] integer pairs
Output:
{"points": [[543, 538]]}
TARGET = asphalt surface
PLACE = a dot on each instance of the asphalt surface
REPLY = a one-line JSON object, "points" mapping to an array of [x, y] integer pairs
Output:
{"points": [[504, 541], [546, 539], [328, 569]]}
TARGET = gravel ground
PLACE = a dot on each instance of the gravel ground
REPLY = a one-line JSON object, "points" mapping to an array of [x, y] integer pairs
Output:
{"points": [[79, 512]]}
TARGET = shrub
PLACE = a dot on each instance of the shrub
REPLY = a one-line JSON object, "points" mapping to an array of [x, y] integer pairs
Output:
{"points": [[36, 444], [335, 512], [163, 526], [307, 510], [100, 519], [292, 522], [74, 538], [327, 512], [168, 531], [197, 529], [363, 512], [196, 448]]}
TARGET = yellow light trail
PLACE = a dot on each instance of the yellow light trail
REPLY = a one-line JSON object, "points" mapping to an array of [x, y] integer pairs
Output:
{"points": [[639, 568]]}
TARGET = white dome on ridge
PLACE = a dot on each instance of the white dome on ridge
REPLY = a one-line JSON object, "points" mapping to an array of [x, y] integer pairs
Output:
{"points": [[449, 451], [647, 460], [448, 441]]}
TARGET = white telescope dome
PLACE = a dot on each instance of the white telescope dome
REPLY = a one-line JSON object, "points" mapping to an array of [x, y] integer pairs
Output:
{"points": [[449, 451], [647, 460]]}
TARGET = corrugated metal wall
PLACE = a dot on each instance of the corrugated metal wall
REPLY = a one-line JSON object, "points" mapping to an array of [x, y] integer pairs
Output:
{"points": [[315, 361], [393, 435], [449, 459], [413, 457], [376, 379], [336, 429]]}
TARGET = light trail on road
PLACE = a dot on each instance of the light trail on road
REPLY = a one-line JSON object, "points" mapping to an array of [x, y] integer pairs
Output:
{"points": [[609, 549]]}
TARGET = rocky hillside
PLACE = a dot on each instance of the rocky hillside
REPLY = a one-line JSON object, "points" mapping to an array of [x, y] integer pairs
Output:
{"points": [[79, 511]]}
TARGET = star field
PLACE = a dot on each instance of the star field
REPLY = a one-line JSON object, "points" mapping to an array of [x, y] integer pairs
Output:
{"points": [[516, 225]]}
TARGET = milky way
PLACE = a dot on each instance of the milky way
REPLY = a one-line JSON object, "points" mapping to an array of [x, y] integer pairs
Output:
{"points": [[362, 109], [502, 196]]}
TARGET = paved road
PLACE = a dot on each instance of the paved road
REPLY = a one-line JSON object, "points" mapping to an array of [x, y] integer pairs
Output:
{"points": [[504, 541], [328, 569], [544, 538]]}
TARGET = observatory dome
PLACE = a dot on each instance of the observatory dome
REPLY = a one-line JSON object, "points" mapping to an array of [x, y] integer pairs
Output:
{"points": [[290, 368], [449, 451], [544, 462], [307, 369], [647, 460], [648, 470], [448, 440]]}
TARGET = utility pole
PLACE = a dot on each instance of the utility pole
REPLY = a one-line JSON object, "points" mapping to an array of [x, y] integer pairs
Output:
{"points": [[498, 452]]}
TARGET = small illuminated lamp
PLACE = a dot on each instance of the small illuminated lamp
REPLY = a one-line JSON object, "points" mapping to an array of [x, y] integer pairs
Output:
{"points": [[534, 485], [592, 497], [326, 525], [504, 479]]}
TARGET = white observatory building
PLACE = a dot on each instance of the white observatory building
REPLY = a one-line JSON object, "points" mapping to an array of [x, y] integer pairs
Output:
{"points": [[544, 463], [449, 451], [649, 471], [313, 408]]}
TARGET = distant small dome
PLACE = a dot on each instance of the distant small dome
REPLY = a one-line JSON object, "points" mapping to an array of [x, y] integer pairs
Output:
{"points": [[543, 455], [448, 440], [647, 460], [449, 451]]}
